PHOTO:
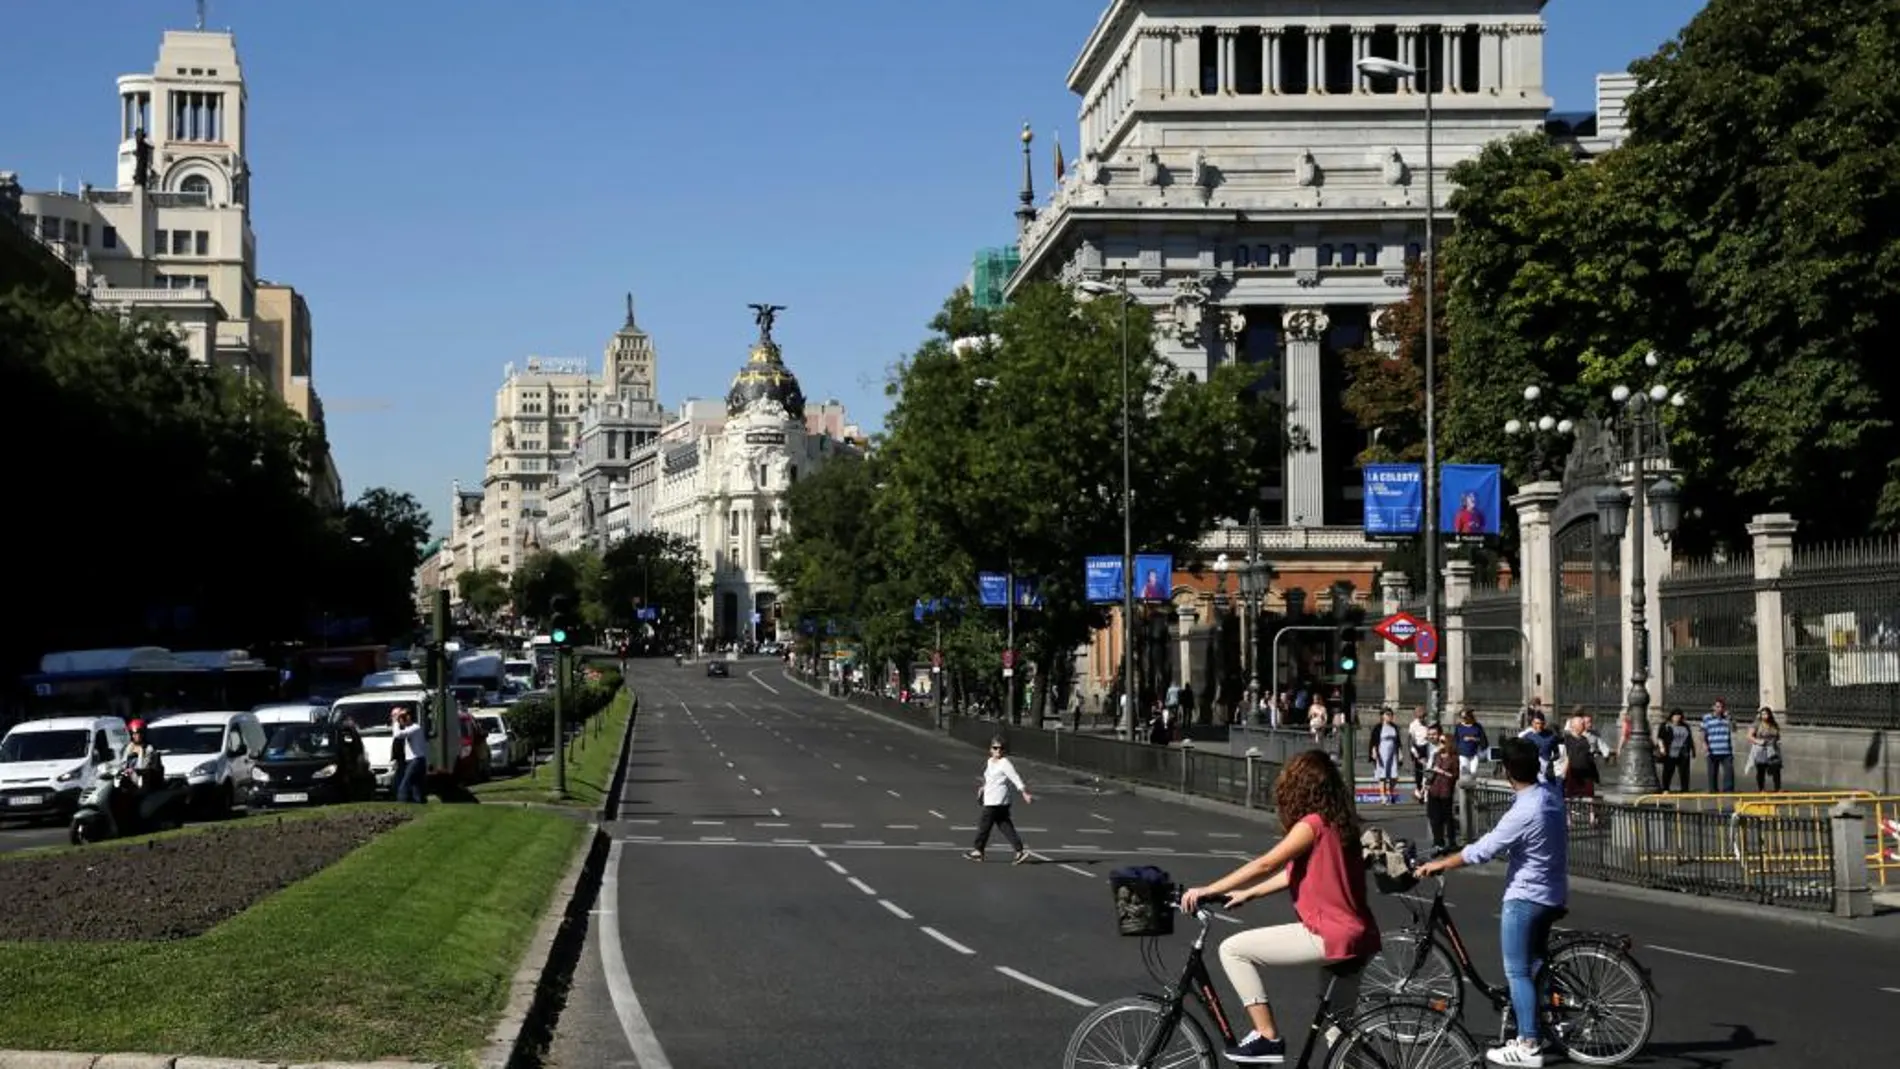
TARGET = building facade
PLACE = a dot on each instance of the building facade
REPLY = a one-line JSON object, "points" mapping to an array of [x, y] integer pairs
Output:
{"points": [[535, 429]]}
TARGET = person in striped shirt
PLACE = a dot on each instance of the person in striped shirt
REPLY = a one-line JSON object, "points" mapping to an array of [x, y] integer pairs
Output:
{"points": [[1718, 745]]}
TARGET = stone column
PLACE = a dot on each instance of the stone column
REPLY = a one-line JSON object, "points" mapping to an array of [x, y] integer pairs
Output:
{"points": [[1315, 61], [1409, 38], [1305, 463], [1224, 58], [1537, 583], [1774, 551], [1452, 60], [1273, 62], [1185, 617], [1394, 589], [1458, 575], [1361, 48]]}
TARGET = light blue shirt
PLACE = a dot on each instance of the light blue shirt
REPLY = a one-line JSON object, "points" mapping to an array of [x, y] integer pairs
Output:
{"points": [[1533, 837]]}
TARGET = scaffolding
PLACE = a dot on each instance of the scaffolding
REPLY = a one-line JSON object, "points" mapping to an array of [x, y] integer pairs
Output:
{"points": [[991, 275]]}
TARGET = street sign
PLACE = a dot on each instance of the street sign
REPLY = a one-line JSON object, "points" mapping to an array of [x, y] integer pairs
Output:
{"points": [[1403, 656], [1400, 629], [1009, 658], [1426, 644], [1424, 671]]}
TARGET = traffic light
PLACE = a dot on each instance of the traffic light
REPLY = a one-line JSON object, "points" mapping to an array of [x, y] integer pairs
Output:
{"points": [[557, 620], [1348, 647]]}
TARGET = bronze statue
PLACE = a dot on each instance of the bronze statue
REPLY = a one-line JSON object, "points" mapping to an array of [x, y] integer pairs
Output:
{"points": [[142, 160], [765, 315]]}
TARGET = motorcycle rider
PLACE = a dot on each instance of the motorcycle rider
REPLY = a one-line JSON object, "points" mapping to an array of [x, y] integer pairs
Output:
{"points": [[143, 765]]}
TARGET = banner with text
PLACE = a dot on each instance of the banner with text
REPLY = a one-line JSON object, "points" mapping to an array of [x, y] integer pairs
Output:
{"points": [[1470, 498], [1154, 574], [1395, 499], [992, 590]]}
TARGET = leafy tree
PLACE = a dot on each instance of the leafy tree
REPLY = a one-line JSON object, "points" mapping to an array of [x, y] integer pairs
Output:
{"points": [[485, 590], [385, 531], [1385, 381], [650, 569], [539, 579]]}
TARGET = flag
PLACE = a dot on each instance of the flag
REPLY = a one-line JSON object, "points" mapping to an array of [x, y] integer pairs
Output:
{"points": [[1059, 167]]}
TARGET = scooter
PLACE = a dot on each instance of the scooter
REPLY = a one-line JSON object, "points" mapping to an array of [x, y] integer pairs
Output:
{"points": [[114, 807]]}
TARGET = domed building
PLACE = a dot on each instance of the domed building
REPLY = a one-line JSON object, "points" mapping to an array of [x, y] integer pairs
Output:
{"points": [[723, 480]]}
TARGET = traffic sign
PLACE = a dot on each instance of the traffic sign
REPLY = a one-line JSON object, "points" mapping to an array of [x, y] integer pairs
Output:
{"points": [[1400, 629], [1425, 643], [1402, 656], [1009, 658]]}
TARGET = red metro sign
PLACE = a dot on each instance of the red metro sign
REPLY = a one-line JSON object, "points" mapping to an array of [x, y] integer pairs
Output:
{"points": [[1405, 630]]}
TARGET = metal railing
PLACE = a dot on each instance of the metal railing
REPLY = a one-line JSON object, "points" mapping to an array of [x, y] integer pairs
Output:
{"points": [[1883, 825], [1779, 860], [1709, 639], [1842, 642]]}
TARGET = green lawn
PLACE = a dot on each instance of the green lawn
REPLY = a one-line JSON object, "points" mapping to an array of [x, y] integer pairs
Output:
{"points": [[404, 949], [590, 764]]}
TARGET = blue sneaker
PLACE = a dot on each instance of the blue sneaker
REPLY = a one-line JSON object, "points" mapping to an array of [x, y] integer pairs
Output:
{"points": [[1257, 1050]]}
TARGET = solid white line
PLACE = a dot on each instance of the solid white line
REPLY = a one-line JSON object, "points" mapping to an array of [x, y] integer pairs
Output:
{"points": [[837, 868], [792, 842], [1079, 872], [707, 823], [819, 850], [862, 886], [1721, 961], [894, 908], [936, 814], [946, 940], [613, 963], [754, 676], [717, 839], [1040, 986]]}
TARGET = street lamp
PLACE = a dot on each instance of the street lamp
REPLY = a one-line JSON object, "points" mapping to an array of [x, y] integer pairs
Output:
{"points": [[1253, 574], [1541, 430], [1392, 68], [1638, 440], [1009, 591], [1097, 288]]}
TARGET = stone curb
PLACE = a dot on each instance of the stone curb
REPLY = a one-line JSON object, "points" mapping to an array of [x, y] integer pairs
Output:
{"points": [[48, 1059], [617, 783]]}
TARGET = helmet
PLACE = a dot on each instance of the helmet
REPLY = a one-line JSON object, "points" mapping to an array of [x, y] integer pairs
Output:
{"points": [[136, 725]]}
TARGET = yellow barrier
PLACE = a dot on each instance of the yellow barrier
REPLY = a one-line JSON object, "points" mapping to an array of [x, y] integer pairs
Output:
{"points": [[1724, 803], [1883, 857]]}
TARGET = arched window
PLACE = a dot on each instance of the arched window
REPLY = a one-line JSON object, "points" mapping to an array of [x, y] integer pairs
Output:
{"points": [[196, 183]]}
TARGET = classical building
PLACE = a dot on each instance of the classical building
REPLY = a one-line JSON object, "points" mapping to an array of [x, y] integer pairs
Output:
{"points": [[536, 427], [723, 476], [281, 334]]}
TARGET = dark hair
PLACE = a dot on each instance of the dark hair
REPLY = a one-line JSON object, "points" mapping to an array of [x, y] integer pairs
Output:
{"points": [[1520, 759], [1310, 783], [997, 742], [1677, 711]]}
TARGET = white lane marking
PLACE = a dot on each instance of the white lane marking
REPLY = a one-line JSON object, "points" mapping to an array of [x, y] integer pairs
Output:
{"points": [[936, 814], [900, 827], [896, 911], [776, 813], [707, 823], [1103, 819], [771, 824], [1049, 988], [1075, 846], [758, 792], [819, 850], [837, 868], [1026, 827], [644, 839], [1095, 831], [1223, 835], [861, 779], [892, 793], [1159, 849], [717, 839], [936, 844], [945, 940], [792, 842], [642, 820], [1079, 872], [862, 886], [835, 764], [754, 677], [864, 842], [729, 764], [613, 963], [837, 825], [1891, 990], [1721, 961], [1150, 832], [962, 827], [741, 777]]}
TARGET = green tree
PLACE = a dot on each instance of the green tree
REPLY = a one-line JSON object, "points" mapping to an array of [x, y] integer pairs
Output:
{"points": [[541, 577], [485, 590], [656, 570], [382, 534]]}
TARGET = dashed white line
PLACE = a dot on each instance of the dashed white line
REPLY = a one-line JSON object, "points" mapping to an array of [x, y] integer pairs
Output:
{"points": [[837, 868], [1223, 835], [936, 844], [1721, 961], [1026, 827], [646, 838], [643, 820], [936, 814], [776, 813], [1891, 990], [707, 823], [1078, 872], [792, 842], [945, 940], [729, 764], [896, 911], [835, 764], [1160, 849], [900, 827], [861, 779], [1151, 832], [758, 792], [819, 850], [1103, 819], [837, 825], [862, 886], [864, 842], [1075, 846], [771, 824], [1048, 988], [741, 777], [1095, 831], [892, 793], [962, 827]]}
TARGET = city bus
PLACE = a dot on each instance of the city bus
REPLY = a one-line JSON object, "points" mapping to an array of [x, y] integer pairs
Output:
{"points": [[145, 682], [330, 673]]}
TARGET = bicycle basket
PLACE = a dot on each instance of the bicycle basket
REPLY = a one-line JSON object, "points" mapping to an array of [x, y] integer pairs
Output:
{"points": [[1391, 861], [1143, 905]]}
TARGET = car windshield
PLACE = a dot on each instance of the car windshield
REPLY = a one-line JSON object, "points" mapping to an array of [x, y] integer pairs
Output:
{"points": [[186, 738], [468, 695], [295, 742], [370, 717], [44, 746], [492, 725]]}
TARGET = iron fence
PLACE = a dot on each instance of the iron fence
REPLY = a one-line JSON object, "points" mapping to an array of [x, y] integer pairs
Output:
{"points": [[1589, 619], [1493, 641], [1842, 639], [1708, 633], [1773, 860]]}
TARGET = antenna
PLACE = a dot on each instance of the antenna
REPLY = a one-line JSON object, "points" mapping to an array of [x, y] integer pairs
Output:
{"points": [[201, 14]]}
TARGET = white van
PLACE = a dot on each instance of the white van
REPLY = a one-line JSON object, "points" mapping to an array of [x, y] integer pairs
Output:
{"points": [[210, 754], [278, 713], [370, 710], [46, 765]]}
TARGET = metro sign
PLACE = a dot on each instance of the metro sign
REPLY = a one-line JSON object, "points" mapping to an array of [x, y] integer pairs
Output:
{"points": [[1399, 628]]}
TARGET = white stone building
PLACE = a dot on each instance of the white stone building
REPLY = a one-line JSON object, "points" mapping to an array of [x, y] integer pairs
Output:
{"points": [[536, 427]]}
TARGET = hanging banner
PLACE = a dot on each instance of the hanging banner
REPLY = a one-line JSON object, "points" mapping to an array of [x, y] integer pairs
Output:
{"points": [[1470, 498], [1394, 499], [992, 590], [1155, 571], [1028, 592], [1102, 579]]}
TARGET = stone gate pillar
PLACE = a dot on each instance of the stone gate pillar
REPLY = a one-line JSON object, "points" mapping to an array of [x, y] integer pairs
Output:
{"points": [[1458, 576], [1774, 551], [1537, 584]]}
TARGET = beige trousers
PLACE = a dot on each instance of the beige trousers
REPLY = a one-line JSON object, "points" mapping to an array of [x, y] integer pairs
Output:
{"points": [[1282, 945]]}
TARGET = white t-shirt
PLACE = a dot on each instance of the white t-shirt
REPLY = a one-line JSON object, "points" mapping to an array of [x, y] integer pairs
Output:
{"points": [[998, 776], [415, 742], [1421, 733]]}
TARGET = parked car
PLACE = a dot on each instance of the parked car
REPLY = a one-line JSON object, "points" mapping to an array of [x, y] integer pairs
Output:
{"points": [[312, 764], [210, 754], [506, 749], [46, 766]]}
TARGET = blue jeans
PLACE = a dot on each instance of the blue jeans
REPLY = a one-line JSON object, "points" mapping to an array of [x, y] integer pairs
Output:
{"points": [[1721, 773], [1524, 930], [409, 780]]}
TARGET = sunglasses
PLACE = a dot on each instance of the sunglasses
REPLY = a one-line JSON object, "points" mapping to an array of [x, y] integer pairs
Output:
{"points": [[996, 749]]}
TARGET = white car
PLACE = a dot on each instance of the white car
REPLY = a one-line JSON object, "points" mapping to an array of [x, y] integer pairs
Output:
{"points": [[210, 754], [395, 677], [271, 716], [370, 711], [506, 750], [47, 765]]}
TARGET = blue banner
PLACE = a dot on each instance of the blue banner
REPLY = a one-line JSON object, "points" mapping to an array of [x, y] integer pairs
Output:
{"points": [[1028, 592], [1155, 573], [1470, 498], [992, 590], [1102, 579], [1395, 499]]}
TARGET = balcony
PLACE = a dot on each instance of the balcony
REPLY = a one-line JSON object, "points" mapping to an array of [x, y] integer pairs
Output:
{"points": [[1289, 540]]}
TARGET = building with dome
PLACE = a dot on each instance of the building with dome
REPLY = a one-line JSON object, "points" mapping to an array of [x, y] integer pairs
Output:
{"points": [[722, 476]]}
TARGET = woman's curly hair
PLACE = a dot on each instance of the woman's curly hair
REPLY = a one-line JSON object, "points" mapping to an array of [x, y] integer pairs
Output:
{"points": [[1311, 783]]}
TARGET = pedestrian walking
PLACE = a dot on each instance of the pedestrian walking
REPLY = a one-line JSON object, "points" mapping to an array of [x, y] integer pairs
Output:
{"points": [[1420, 733], [1764, 749], [1540, 736], [1676, 751], [1718, 746], [414, 743], [999, 777], [1441, 792], [1383, 750], [1471, 740]]}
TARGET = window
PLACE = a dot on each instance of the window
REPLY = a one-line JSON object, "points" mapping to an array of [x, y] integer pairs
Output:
{"points": [[201, 242], [1284, 258], [1242, 258], [1249, 56], [181, 243], [1348, 255], [1294, 74], [1326, 256], [1210, 61], [196, 183], [49, 228], [1370, 255], [109, 237], [72, 231]]}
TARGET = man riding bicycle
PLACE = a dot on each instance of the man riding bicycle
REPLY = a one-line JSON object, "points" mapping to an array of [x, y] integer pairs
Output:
{"points": [[1533, 838]]}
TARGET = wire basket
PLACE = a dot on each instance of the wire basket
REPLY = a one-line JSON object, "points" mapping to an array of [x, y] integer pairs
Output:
{"points": [[1144, 901]]}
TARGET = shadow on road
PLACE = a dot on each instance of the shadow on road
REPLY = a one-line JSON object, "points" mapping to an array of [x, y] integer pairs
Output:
{"points": [[1703, 1054]]}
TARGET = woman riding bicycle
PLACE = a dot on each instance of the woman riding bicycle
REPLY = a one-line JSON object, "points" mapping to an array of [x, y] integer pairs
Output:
{"points": [[1535, 840], [1319, 860]]}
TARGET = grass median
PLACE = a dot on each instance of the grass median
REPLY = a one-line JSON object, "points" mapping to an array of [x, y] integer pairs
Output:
{"points": [[403, 949], [590, 764]]}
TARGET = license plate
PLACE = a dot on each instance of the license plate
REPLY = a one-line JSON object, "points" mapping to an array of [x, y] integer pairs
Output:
{"points": [[287, 798], [26, 799]]}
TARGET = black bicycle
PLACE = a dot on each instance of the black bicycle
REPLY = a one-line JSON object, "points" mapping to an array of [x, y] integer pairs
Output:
{"points": [[1158, 1031], [1599, 1004]]}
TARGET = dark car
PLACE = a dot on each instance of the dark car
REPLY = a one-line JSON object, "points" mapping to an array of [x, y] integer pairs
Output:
{"points": [[717, 668], [312, 764]]}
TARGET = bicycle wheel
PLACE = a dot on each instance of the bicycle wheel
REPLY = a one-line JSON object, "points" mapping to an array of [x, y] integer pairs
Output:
{"points": [[1405, 1033], [1411, 964], [1113, 1035], [1600, 1009]]}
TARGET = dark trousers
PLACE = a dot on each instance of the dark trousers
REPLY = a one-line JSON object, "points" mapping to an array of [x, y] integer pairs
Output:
{"points": [[1721, 773], [997, 817], [1676, 769], [1766, 773], [1444, 821], [409, 780], [1420, 754]]}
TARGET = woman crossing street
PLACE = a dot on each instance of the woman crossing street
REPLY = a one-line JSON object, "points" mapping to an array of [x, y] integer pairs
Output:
{"points": [[999, 777]]}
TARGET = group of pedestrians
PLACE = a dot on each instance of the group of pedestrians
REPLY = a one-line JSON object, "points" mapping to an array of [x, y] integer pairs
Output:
{"points": [[1676, 749]]}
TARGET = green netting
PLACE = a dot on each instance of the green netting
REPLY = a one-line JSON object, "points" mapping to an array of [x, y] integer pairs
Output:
{"points": [[993, 268]]}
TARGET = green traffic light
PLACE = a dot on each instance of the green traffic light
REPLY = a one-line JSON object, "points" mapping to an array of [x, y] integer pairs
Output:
{"points": [[1347, 664], [559, 636]]}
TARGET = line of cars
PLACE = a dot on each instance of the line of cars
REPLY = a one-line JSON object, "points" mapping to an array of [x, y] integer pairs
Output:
{"points": [[283, 754]]}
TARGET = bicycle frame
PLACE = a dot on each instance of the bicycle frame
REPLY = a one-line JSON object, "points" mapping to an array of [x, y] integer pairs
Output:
{"points": [[1437, 920]]}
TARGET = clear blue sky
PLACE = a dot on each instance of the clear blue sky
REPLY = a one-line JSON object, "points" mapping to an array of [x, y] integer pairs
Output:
{"points": [[456, 184]]}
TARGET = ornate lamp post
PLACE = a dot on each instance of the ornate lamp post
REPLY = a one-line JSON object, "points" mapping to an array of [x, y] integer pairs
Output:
{"points": [[1130, 693], [1542, 431], [1254, 574], [1638, 441]]}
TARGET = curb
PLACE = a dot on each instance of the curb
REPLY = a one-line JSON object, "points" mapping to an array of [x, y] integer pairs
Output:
{"points": [[50, 1059], [539, 988], [610, 805]]}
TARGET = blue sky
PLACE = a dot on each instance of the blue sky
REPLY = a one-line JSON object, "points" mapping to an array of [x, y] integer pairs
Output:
{"points": [[457, 184]]}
